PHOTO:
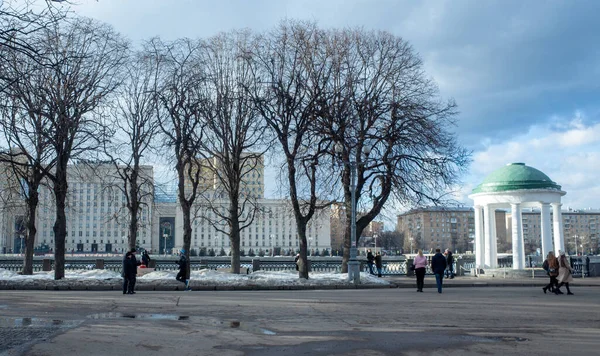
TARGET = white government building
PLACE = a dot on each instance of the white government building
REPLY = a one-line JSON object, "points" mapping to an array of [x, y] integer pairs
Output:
{"points": [[97, 219]]}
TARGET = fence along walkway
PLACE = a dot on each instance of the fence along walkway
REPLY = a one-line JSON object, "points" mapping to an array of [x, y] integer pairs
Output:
{"points": [[393, 265]]}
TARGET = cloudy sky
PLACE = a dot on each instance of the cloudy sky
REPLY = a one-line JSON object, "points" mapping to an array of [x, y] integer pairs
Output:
{"points": [[525, 74]]}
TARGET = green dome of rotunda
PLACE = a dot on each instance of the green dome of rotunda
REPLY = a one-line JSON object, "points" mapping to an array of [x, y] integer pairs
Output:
{"points": [[515, 176]]}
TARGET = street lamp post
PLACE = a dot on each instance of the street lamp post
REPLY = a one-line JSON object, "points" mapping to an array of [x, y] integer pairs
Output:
{"points": [[576, 254], [375, 237], [165, 235], [353, 264], [22, 237]]}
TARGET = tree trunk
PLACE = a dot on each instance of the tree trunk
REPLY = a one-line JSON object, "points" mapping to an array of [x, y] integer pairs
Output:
{"points": [[31, 231], [234, 237], [187, 233], [60, 225], [133, 209], [303, 266]]}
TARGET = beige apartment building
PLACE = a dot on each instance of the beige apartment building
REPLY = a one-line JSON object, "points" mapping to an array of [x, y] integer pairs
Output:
{"points": [[252, 184], [444, 227]]}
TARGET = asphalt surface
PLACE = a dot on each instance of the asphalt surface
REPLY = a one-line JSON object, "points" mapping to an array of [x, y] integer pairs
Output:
{"points": [[509, 320]]}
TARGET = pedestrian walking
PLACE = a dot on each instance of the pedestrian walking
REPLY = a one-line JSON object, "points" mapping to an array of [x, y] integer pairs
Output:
{"points": [[145, 258], [438, 266], [564, 273], [420, 264], [296, 259], [370, 259], [130, 264], [450, 264], [550, 265], [378, 263], [183, 268]]}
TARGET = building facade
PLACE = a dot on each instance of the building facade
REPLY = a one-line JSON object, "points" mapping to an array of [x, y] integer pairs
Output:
{"points": [[580, 229], [98, 219], [443, 227]]}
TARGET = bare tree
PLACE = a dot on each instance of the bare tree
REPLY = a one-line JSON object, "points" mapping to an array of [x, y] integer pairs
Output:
{"points": [[133, 128], [19, 20], [292, 67], [386, 115], [28, 152], [84, 58], [234, 140], [180, 74]]}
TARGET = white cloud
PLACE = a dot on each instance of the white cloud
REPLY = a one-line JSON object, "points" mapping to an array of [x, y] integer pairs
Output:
{"points": [[565, 149]]}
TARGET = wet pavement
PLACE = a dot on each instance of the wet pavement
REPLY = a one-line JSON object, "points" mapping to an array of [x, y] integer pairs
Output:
{"points": [[461, 321]]}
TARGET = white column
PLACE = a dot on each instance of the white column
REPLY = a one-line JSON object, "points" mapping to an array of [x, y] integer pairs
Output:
{"points": [[518, 248], [546, 231], [494, 242], [559, 241], [479, 244], [488, 236]]}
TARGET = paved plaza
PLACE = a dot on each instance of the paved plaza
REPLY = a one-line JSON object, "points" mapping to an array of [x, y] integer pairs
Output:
{"points": [[387, 321]]}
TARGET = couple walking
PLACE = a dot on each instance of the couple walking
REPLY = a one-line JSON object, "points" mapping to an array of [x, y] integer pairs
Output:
{"points": [[559, 271], [438, 266]]}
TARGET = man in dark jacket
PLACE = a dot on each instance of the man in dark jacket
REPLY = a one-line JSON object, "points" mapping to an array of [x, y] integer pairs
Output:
{"points": [[130, 264], [450, 263], [183, 267], [438, 266], [145, 258], [378, 263], [370, 259]]}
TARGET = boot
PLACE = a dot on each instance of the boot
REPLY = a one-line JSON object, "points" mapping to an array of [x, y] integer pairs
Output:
{"points": [[544, 289], [568, 290]]}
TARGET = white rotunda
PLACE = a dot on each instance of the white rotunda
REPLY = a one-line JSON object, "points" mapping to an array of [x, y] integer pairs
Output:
{"points": [[515, 186]]}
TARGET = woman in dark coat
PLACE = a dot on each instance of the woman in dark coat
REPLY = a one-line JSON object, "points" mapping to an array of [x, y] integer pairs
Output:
{"points": [[378, 264], [551, 267], [145, 258], [370, 259], [183, 267]]}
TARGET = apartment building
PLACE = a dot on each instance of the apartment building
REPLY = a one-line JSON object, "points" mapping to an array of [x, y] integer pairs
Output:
{"points": [[580, 229], [252, 184], [444, 227]]}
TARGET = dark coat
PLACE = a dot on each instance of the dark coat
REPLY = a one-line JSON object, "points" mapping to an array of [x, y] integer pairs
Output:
{"points": [[145, 258], [182, 263], [438, 263], [130, 264], [370, 257], [450, 259], [378, 262]]}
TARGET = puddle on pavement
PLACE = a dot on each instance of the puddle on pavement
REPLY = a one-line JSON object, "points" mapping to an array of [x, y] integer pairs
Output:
{"points": [[38, 323], [201, 320], [139, 316]]}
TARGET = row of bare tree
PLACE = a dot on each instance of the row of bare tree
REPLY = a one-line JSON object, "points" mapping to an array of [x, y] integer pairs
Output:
{"points": [[73, 88]]}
